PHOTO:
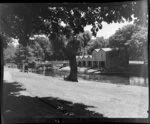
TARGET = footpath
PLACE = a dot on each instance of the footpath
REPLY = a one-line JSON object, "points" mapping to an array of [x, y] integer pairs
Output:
{"points": [[30, 96]]}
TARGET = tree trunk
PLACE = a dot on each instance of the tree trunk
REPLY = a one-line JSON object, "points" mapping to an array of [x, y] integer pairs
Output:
{"points": [[70, 51], [73, 70]]}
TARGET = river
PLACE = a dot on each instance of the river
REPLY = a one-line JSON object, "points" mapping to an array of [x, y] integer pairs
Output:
{"points": [[124, 80]]}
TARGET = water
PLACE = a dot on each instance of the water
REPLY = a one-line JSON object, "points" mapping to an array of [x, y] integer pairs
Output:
{"points": [[125, 80]]}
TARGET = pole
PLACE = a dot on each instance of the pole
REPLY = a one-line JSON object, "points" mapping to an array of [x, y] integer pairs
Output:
{"points": [[44, 68]]}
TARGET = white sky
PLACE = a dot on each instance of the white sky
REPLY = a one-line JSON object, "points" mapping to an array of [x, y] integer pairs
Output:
{"points": [[108, 29], [15, 42]]}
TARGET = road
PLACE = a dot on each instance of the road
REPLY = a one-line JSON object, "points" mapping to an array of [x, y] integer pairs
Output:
{"points": [[33, 95]]}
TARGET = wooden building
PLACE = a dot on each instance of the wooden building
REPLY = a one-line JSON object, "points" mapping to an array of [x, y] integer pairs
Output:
{"points": [[85, 60], [105, 58], [79, 60], [89, 61]]}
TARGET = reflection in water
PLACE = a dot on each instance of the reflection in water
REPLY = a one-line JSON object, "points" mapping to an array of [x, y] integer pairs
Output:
{"points": [[126, 80], [139, 81]]}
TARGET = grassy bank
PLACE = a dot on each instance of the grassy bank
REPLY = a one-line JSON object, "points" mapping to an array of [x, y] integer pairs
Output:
{"points": [[110, 100]]}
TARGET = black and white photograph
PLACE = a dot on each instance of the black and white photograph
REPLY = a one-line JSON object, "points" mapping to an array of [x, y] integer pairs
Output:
{"points": [[72, 62]]}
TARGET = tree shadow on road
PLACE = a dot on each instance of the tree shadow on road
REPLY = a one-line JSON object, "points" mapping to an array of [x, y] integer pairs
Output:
{"points": [[20, 106]]}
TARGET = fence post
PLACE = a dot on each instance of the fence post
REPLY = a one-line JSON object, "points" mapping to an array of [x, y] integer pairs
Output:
{"points": [[44, 68]]}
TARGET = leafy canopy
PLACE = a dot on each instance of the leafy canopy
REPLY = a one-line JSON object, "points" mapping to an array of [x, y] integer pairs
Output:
{"points": [[23, 20], [133, 37]]}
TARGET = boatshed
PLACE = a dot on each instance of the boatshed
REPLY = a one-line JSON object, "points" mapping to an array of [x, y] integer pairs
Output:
{"points": [[109, 57], [89, 61], [104, 58], [96, 55], [79, 60], [85, 59]]}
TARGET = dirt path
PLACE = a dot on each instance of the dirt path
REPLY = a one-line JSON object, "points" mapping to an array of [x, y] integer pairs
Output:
{"points": [[109, 100]]}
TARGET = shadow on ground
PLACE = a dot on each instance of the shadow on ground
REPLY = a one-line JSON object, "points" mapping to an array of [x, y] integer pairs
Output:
{"points": [[19, 106]]}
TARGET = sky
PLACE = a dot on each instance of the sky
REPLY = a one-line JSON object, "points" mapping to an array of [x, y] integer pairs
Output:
{"points": [[15, 42], [106, 31]]}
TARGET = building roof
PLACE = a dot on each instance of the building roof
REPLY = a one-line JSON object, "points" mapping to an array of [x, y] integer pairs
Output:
{"points": [[90, 56], [136, 62], [97, 50], [85, 56], [81, 57], [107, 49], [104, 49], [78, 57]]}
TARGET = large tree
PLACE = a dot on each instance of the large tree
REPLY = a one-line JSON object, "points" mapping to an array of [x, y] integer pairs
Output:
{"points": [[132, 37], [138, 44], [23, 20]]}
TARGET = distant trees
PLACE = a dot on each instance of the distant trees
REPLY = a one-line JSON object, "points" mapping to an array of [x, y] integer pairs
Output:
{"points": [[42, 47], [6, 40], [99, 42], [9, 53], [139, 44], [122, 36], [84, 38], [24, 55], [133, 38], [38, 49]]}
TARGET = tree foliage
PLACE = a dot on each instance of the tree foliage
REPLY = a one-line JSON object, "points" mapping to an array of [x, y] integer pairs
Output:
{"points": [[132, 37], [23, 20], [42, 47], [38, 49], [24, 55], [138, 44], [99, 42], [84, 38], [122, 36], [9, 53]]}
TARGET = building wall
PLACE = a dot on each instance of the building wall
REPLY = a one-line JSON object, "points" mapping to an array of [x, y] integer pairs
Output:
{"points": [[96, 55], [81, 61], [111, 59], [103, 55], [84, 60], [123, 58], [117, 59], [99, 56], [112, 62]]}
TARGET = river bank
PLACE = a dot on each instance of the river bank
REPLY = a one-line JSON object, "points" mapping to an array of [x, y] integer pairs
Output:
{"points": [[131, 70]]}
